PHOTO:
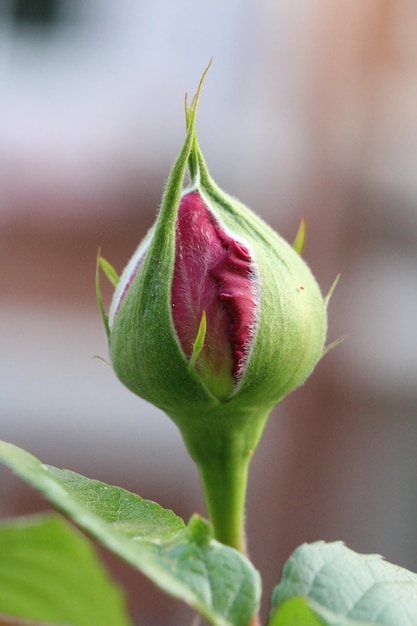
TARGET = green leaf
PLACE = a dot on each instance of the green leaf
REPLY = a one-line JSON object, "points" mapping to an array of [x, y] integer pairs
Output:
{"points": [[344, 588], [294, 612], [186, 562], [9, 620], [50, 573]]}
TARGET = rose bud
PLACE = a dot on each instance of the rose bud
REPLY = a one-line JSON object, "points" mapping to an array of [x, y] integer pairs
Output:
{"points": [[214, 320]]}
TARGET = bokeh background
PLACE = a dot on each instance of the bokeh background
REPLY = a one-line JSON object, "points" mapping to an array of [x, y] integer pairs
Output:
{"points": [[308, 110]]}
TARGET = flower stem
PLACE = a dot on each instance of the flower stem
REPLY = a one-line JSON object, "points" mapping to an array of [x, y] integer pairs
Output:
{"points": [[222, 446], [222, 452], [224, 478]]}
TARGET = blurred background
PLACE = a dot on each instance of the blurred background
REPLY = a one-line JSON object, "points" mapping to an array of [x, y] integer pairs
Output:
{"points": [[308, 110]]}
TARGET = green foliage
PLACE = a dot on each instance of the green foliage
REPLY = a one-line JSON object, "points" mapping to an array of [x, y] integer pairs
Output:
{"points": [[294, 612], [49, 572], [184, 561], [343, 588], [45, 564]]}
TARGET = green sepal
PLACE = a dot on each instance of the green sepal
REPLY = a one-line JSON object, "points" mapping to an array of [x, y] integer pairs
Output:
{"points": [[146, 355], [99, 296], [331, 290], [329, 347], [300, 237], [199, 340], [109, 271], [332, 345]]}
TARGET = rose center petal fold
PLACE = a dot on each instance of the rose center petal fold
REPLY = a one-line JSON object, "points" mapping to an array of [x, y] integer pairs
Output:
{"points": [[213, 273]]}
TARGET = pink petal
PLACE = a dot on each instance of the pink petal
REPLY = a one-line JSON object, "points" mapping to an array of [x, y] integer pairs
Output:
{"points": [[212, 273]]}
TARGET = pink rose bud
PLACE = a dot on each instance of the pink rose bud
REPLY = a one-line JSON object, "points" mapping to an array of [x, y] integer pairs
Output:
{"points": [[214, 308], [214, 320]]}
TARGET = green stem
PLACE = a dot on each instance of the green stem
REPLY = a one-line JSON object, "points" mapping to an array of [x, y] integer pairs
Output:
{"points": [[222, 446], [224, 478]]}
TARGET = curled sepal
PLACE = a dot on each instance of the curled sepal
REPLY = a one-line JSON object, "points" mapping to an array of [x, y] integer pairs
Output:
{"points": [[108, 271], [199, 340], [331, 290], [111, 275], [332, 345], [329, 347], [300, 237]]}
